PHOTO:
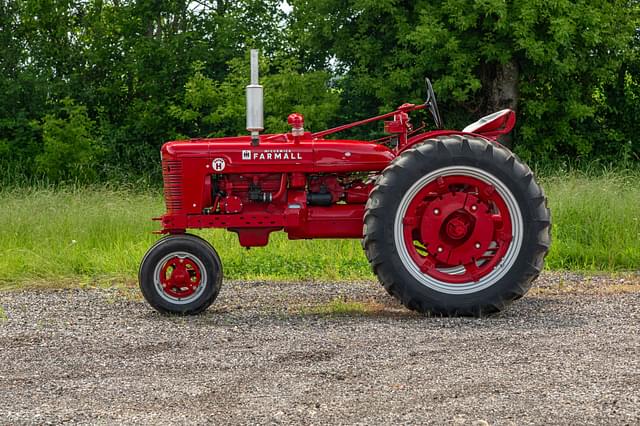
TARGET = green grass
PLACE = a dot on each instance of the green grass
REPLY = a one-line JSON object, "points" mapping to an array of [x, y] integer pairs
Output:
{"points": [[596, 221], [100, 234]]}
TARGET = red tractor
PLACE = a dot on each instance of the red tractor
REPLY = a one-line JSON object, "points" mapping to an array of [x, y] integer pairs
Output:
{"points": [[452, 222]]}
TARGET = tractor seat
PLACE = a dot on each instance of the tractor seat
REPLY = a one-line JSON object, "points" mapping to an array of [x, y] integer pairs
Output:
{"points": [[492, 122]]}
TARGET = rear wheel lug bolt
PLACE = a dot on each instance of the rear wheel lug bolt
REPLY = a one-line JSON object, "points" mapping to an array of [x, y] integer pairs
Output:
{"points": [[440, 249]]}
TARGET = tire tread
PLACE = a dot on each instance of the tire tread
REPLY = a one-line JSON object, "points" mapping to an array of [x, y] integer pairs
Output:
{"points": [[477, 149]]}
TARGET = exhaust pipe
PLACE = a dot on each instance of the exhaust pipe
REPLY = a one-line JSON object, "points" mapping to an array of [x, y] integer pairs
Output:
{"points": [[255, 118]]}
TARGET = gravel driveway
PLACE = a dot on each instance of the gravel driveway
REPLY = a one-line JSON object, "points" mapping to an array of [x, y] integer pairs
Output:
{"points": [[272, 353]]}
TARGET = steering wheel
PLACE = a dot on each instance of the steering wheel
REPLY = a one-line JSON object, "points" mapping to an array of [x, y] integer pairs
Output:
{"points": [[432, 104]]}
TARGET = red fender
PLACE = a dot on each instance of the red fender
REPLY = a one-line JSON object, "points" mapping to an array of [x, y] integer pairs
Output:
{"points": [[489, 127]]}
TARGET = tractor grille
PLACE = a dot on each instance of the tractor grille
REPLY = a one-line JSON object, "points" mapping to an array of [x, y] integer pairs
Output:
{"points": [[172, 177]]}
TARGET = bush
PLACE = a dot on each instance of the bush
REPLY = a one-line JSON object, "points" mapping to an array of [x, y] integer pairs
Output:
{"points": [[71, 146]]}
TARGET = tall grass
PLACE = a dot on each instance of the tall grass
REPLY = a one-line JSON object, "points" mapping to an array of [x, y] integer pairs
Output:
{"points": [[101, 232], [596, 220]]}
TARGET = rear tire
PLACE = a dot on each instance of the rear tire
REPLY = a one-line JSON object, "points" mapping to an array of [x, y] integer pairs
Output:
{"points": [[180, 274], [457, 226]]}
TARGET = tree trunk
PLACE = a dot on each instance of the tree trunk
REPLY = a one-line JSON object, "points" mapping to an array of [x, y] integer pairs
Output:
{"points": [[502, 86], [500, 82]]}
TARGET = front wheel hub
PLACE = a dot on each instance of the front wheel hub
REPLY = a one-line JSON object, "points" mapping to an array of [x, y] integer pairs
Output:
{"points": [[180, 277]]}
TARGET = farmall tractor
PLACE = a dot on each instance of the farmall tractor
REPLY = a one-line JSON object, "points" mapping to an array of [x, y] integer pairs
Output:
{"points": [[452, 222]]}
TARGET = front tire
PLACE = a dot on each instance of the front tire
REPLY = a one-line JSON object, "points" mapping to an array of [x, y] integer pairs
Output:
{"points": [[180, 274], [457, 226]]}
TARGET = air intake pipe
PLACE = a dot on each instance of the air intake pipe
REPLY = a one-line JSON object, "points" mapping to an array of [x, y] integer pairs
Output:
{"points": [[255, 118]]}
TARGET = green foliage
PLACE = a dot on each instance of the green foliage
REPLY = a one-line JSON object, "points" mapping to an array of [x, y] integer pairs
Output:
{"points": [[547, 58], [151, 71], [71, 148], [211, 108], [214, 109], [309, 93], [126, 61]]}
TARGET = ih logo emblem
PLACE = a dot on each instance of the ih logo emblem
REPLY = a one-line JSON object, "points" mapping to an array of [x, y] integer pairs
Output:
{"points": [[246, 154], [218, 164]]}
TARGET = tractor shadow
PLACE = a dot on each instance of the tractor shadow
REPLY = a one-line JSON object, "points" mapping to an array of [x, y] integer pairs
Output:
{"points": [[298, 303]]}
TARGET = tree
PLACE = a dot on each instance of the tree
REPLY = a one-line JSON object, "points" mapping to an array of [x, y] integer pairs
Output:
{"points": [[547, 59], [570, 68], [126, 61], [212, 108]]}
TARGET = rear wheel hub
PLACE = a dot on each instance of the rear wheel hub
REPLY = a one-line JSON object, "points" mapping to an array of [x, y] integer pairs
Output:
{"points": [[457, 229]]}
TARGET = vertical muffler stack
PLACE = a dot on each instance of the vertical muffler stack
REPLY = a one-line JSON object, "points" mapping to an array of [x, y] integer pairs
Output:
{"points": [[255, 118]]}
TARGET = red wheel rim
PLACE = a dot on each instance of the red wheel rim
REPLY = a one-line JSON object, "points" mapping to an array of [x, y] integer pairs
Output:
{"points": [[457, 229], [180, 277]]}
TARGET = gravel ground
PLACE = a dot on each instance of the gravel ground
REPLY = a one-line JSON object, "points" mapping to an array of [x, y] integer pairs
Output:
{"points": [[270, 353]]}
